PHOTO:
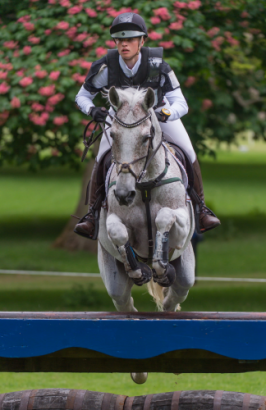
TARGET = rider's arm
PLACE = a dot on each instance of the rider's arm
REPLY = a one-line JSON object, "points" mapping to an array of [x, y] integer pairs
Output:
{"points": [[178, 104], [85, 96]]}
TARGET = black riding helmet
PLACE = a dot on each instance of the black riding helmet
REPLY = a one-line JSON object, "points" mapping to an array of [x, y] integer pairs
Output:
{"points": [[128, 25]]}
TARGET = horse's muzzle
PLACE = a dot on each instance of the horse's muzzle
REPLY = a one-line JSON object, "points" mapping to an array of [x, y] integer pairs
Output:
{"points": [[124, 197]]}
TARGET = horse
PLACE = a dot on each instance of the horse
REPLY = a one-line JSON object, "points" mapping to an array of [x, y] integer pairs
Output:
{"points": [[146, 203]]}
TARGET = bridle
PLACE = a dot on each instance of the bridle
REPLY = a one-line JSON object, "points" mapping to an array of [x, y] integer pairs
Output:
{"points": [[125, 167]]}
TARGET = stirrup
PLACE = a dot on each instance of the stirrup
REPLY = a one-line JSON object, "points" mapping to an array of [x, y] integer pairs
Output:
{"points": [[95, 215]]}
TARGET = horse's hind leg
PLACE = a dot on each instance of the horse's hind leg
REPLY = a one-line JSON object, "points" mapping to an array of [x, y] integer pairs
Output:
{"points": [[116, 281], [185, 278]]}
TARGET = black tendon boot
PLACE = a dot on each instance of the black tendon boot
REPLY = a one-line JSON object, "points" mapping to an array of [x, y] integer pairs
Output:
{"points": [[88, 225], [205, 218]]}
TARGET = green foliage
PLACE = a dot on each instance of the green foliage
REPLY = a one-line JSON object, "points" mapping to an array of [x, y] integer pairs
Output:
{"points": [[217, 49]]}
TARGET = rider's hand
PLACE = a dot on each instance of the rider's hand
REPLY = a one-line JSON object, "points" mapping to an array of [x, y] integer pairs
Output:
{"points": [[160, 116], [99, 114]]}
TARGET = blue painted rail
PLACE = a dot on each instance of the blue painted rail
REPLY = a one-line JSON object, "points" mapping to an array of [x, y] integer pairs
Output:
{"points": [[110, 342]]}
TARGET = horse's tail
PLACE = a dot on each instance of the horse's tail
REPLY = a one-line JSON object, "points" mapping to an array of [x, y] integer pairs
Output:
{"points": [[156, 291], [159, 293]]}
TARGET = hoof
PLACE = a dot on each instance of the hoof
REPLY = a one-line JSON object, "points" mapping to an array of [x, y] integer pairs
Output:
{"points": [[139, 378], [146, 275], [168, 277]]}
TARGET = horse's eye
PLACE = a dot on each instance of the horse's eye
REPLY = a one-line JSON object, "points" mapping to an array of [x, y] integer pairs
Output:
{"points": [[112, 135], [145, 138]]}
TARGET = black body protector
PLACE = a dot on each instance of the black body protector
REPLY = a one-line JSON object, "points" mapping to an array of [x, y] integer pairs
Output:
{"points": [[149, 74]]}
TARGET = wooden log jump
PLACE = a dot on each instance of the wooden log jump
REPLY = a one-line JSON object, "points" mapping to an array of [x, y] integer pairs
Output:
{"points": [[66, 399], [182, 342]]}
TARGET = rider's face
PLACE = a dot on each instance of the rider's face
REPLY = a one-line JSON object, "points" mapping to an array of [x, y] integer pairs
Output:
{"points": [[128, 47]]}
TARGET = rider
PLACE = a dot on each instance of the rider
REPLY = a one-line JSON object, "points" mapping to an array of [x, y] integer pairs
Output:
{"points": [[133, 65]]}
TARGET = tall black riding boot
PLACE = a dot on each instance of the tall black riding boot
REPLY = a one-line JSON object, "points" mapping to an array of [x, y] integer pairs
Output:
{"points": [[88, 225], [205, 218]]}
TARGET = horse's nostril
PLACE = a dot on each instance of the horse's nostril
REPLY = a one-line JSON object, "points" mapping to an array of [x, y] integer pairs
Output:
{"points": [[123, 197], [131, 196]]}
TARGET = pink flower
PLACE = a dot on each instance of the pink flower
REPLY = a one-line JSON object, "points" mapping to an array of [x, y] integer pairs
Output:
{"points": [[166, 30], [47, 91], [90, 41], [217, 42], [79, 78], [7, 66], [178, 25], [10, 44], [81, 37], [16, 53], [41, 74], [74, 10], [15, 102], [24, 82], [213, 31], [73, 63], [55, 99], [39, 119], [52, 1], [62, 25], [155, 36], [37, 67], [24, 19], [254, 30], [63, 53], [4, 88], [3, 117], [190, 81], [47, 32], [71, 32], [244, 14], [244, 23], [206, 104], [54, 75], [55, 151], [27, 50], [230, 39], [37, 107], [110, 43], [29, 26], [86, 64], [3, 75], [65, 3], [166, 44], [100, 51], [49, 108], [155, 20], [34, 40], [162, 12], [180, 5], [194, 5], [188, 49], [60, 120], [91, 12], [20, 73]]}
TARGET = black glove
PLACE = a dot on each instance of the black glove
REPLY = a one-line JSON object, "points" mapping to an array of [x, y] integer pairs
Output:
{"points": [[99, 114], [161, 117]]}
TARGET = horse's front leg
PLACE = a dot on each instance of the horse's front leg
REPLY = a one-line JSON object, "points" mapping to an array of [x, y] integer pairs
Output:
{"points": [[167, 219], [117, 232]]}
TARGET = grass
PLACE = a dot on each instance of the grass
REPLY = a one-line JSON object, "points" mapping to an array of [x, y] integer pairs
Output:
{"points": [[120, 383]]}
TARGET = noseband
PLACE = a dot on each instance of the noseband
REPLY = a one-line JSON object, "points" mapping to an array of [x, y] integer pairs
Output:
{"points": [[126, 166]]}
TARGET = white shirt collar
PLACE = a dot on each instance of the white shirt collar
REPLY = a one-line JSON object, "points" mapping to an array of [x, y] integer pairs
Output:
{"points": [[129, 72]]}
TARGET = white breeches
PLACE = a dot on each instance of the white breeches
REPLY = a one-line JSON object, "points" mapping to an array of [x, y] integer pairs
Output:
{"points": [[175, 131]]}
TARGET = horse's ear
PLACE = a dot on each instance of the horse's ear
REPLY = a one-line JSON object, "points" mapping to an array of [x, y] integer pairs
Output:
{"points": [[114, 98], [149, 99]]}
